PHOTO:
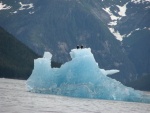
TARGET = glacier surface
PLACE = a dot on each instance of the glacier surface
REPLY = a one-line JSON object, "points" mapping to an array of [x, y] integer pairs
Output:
{"points": [[81, 77]]}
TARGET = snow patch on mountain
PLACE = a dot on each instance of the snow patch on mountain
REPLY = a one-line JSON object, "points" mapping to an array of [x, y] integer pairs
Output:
{"points": [[15, 12], [113, 23], [117, 15], [139, 1], [4, 6], [31, 12], [137, 30], [116, 34], [115, 19], [122, 9], [121, 13], [25, 6], [112, 16]]}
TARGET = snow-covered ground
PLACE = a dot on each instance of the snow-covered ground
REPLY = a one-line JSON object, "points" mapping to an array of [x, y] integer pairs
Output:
{"points": [[15, 99]]}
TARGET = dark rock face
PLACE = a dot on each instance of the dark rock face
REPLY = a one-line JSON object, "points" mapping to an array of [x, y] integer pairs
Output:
{"points": [[138, 49], [16, 59]]}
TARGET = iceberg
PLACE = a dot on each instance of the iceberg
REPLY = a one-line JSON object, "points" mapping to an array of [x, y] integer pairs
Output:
{"points": [[81, 77]]}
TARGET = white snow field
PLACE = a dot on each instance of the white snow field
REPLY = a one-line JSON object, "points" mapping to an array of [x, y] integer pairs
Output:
{"points": [[15, 99]]}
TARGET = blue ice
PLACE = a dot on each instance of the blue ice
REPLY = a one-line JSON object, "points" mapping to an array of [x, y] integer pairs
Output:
{"points": [[81, 77]]}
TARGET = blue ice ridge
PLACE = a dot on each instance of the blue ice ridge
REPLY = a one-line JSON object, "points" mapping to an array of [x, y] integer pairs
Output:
{"points": [[81, 77]]}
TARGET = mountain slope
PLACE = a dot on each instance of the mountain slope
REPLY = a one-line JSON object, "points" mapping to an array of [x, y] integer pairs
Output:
{"points": [[138, 48], [142, 83], [59, 25], [16, 60]]}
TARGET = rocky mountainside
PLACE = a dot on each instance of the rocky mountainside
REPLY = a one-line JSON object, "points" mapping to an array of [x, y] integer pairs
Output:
{"points": [[138, 49], [142, 83], [16, 59], [131, 25], [59, 25]]}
